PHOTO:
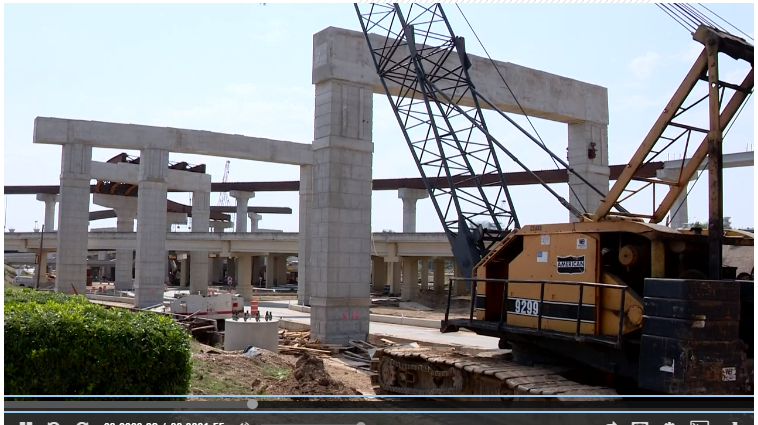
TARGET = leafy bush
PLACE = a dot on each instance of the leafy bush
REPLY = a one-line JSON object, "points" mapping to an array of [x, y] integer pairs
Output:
{"points": [[58, 344]]}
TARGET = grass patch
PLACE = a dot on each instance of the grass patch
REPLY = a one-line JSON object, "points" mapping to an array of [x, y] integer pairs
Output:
{"points": [[275, 372], [206, 379]]}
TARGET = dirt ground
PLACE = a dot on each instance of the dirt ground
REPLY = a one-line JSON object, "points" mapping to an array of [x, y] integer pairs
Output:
{"points": [[216, 372]]}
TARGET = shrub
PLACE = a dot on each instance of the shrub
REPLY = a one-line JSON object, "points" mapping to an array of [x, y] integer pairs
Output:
{"points": [[57, 344]]}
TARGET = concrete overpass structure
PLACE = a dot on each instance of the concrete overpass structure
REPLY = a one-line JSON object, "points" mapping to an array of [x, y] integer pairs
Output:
{"points": [[413, 249], [679, 217], [335, 241]]}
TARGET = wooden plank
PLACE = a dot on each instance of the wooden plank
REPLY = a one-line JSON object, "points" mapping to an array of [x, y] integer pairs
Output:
{"points": [[310, 350]]}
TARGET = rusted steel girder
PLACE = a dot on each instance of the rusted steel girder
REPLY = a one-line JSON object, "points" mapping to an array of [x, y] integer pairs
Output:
{"points": [[513, 179]]}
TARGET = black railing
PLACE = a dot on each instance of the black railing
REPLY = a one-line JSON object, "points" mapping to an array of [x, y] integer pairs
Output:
{"points": [[541, 301]]}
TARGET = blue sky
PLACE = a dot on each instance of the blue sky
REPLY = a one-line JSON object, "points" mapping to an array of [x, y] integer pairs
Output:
{"points": [[245, 69]]}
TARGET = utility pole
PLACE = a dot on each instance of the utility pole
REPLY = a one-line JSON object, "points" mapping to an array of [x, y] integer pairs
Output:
{"points": [[39, 256]]}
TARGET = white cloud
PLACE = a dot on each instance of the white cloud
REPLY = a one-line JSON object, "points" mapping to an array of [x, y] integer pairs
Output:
{"points": [[642, 66]]}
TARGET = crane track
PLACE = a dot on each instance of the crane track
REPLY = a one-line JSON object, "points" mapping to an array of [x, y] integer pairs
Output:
{"points": [[423, 371]]}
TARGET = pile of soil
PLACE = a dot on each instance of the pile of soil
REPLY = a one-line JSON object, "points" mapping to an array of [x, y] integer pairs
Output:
{"points": [[310, 377]]}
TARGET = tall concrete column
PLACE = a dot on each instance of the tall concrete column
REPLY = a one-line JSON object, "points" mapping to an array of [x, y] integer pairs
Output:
{"points": [[201, 213], [439, 276], [73, 219], [50, 201], [343, 149], [459, 286], [409, 197], [409, 291], [242, 199], [678, 216], [125, 257], [270, 270], [378, 274], [281, 269], [254, 219], [172, 219], [393, 276], [183, 269], [151, 236], [304, 254], [257, 267], [217, 263], [231, 268], [588, 155], [424, 273], [245, 276]]}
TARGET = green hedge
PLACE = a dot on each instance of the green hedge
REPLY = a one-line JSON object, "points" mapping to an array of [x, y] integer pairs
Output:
{"points": [[59, 344]]}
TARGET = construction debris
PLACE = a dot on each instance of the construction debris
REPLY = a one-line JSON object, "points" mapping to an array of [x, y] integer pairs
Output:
{"points": [[310, 377], [358, 354]]}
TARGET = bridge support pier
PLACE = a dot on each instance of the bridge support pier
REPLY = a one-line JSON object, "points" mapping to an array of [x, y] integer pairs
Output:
{"points": [[201, 212], [73, 219], [151, 229], [409, 290]]}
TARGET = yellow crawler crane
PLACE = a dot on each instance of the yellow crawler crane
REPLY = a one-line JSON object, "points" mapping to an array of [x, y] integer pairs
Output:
{"points": [[610, 304]]}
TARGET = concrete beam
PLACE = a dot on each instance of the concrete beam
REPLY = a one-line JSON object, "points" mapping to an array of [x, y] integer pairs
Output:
{"points": [[731, 160], [344, 55], [123, 172], [59, 131]]}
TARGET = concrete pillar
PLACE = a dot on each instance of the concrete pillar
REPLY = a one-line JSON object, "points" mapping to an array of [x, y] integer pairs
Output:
{"points": [[459, 286], [257, 268], [304, 254], [409, 197], [276, 270], [581, 137], [281, 269], [424, 273], [231, 268], [242, 198], [125, 257], [245, 276], [393, 276], [678, 216], [439, 276], [270, 270], [254, 219], [201, 213], [73, 219], [50, 201], [185, 263], [378, 274], [341, 257], [171, 220], [409, 289], [151, 236]]}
